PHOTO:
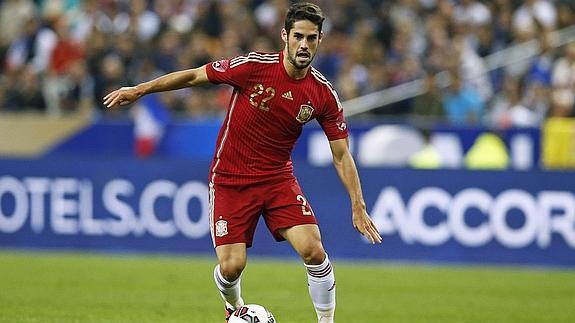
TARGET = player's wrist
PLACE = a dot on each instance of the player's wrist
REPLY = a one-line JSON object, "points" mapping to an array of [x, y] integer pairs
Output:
{"points": [[142, 89], [358, 205]]}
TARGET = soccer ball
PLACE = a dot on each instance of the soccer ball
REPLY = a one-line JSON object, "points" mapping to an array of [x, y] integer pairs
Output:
{"points": [[252, 313]]}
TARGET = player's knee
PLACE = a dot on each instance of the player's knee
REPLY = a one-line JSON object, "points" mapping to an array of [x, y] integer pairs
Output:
{"points": [[232, 267], [313, 254]]}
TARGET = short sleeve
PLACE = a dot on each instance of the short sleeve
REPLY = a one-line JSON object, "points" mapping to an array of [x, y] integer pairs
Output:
{"points": [[332, 119], [227, 71]]}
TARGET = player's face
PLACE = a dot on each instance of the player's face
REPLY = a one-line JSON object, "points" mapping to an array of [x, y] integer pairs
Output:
{"points": [[302, 43]]}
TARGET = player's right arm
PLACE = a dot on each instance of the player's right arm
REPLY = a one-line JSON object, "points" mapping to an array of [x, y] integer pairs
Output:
{"points": [[172, 81]]}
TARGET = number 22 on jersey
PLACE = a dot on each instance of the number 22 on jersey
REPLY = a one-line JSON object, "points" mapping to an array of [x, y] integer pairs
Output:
{"points": [[261, 96]]}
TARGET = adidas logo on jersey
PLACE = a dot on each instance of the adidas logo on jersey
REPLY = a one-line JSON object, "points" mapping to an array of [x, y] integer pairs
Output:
{"points": [[287, 95]]}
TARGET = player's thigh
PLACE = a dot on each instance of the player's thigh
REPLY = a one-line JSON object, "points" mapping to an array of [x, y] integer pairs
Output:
{"points": [[306, 241], [234, 213], [300, 236]]}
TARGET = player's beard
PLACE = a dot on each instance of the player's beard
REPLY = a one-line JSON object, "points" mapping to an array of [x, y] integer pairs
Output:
{"points": [[293, 60]]}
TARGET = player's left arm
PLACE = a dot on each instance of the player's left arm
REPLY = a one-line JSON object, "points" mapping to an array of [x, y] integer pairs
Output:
{"points": [[172, 81], [347, 171]]}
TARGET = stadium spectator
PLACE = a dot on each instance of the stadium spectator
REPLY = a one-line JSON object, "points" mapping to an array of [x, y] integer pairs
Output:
{"points": [[24, 91], [563, 80], [141, 21], [536, 97], [33, 46], [129, 51], [111, 75], [533, 14], [471, 68], [13, 16], [472, 13], [502, 23], [565, 13], [168, 49], [373, 45], [542, 65], [438, 44], [429, 105], [79, 92], [461, 103], [470, 18], [509, 110], [65, 54]]}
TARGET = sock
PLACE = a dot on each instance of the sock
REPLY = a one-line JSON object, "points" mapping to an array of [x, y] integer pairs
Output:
{"points": [[321, 282], [230, 291]]}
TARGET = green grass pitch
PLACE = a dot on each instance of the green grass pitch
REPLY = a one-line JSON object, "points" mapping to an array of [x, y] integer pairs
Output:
{"points": [[78, 287]]}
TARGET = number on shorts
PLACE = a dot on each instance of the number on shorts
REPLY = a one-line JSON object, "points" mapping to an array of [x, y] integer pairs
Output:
{"points": [[304, 204]]}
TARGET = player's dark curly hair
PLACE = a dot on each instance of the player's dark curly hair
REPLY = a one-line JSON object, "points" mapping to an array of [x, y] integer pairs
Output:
{"points": [[304, 11]]}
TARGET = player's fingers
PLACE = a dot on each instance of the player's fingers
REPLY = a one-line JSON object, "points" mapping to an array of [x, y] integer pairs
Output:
{"points": [[106, 100], [368, 237], [361, 229], [366, 233], [116, 100], [112, 95], [109, 95], [109, 99], [375, 231], [111, 102], [368, 230], [375, 234], [373, 226], [372, 233]]}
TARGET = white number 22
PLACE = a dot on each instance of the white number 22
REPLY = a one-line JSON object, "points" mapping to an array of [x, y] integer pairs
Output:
{"points": [[304, 204]]}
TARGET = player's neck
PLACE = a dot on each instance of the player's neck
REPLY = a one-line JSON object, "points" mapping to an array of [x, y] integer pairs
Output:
{"points": [[292, 71]]}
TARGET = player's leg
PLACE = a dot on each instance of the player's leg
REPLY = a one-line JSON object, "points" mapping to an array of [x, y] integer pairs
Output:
{"points": [[234, 213], [227, 274], [289, 217], [306, 241]]}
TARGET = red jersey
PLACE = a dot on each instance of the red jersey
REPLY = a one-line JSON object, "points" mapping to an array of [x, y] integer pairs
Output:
{"points": [[266, 114]]}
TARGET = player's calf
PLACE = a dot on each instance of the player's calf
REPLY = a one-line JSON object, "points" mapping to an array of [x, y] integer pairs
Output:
{"points": [[229, 291], [321, 282]]}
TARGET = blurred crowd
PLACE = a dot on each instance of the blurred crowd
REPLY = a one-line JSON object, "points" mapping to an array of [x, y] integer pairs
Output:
{"points": [[63, 56]]}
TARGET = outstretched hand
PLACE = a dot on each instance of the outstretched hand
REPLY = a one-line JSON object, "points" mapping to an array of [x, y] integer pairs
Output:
{"points": [[122, 96], [364, 224]]}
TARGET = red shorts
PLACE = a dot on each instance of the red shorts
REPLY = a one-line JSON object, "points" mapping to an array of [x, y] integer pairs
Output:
{"points": [[235, 210]]}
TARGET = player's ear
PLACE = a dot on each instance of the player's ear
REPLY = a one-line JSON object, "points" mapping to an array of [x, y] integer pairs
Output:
{"points": [[320, 37], [284, 35]]}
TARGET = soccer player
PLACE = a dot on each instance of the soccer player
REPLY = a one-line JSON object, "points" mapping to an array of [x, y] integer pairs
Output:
{"points": [[275, 95]]}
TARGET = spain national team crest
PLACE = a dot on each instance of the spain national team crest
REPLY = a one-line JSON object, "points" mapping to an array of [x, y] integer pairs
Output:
{"points": [[221, 228], [304, 114]]}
